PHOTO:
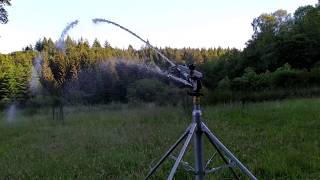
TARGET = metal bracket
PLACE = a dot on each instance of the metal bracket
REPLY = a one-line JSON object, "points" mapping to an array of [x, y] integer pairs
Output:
{"points": [[215, 169], [186, 166], [210, 160]]}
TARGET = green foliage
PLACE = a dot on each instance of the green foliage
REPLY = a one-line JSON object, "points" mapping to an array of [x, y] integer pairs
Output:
{"points": [[287, 77], [84, 74], [15, 73], [145, 90], [226, 64], [281, 39], [96, 43], [153, 90], [283, 54]]}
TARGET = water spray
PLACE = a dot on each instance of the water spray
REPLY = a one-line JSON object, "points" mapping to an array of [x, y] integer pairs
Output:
{"points": [[67, 28], [36, 69], [99, 20], [11, 113], [60, 44], [36, 73], [180, 73]]}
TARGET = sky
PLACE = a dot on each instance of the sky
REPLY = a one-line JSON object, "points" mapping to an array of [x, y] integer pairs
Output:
{"points": [[174, 23]]}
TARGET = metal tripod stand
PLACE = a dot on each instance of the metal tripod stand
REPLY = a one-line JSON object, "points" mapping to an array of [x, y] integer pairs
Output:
{"points": [[196, 129]]}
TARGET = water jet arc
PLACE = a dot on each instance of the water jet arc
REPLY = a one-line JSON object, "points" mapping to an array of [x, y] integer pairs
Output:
{"points": [[99, 20], [60, 43]]}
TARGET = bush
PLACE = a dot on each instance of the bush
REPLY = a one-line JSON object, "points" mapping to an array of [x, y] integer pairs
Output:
{"points": [[251, 81], [153, 90], [224, 84], [285, 77], [314, 77], [285, 82]]}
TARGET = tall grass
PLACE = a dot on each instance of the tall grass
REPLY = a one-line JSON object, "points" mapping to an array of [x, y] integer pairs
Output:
{"points": [[276, 140]]}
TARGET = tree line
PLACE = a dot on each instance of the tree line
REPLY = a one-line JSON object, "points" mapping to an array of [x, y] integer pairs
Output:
{"points": [[85, 73], [281, 58]]}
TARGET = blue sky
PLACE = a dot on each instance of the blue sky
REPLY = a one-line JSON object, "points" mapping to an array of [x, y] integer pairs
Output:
{"points": [[174, 23]]}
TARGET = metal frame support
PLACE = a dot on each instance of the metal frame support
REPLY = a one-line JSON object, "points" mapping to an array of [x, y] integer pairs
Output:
{"points": [[198, 142], [196, 129]]}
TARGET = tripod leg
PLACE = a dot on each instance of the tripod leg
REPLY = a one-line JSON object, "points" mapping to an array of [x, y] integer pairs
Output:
{"points": [[185, 145], [218, 144], [153, 170], [222, 157]]}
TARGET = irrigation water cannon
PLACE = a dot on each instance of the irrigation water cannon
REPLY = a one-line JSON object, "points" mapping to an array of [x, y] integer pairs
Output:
{"points": [[191, 78], [186, 75]]}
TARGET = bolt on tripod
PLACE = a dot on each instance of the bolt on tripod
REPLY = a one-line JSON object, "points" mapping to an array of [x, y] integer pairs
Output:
{"points": [[196, 130]]}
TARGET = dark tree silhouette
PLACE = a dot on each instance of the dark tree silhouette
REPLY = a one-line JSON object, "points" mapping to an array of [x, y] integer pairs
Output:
{"points": [[3, 12]]}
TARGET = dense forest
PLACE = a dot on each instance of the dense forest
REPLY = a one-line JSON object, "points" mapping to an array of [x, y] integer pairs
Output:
{"points": [[282, 59]]}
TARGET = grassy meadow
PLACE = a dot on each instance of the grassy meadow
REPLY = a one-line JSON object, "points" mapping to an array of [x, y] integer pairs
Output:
{"points": [[276, 140]]}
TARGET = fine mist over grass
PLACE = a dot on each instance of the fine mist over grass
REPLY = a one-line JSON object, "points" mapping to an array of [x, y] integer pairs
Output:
{"points": [[276, 140]]}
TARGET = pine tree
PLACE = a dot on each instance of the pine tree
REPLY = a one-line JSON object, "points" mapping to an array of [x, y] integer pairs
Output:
{"points": [[107, 44], [96, 43], [39, 46]]}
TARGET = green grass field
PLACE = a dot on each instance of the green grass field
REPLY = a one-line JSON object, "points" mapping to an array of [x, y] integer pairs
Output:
{"points": [[276, 140]]}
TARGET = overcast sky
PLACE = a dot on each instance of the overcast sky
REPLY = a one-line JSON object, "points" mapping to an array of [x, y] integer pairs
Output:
{"points": [[174, 23]]}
